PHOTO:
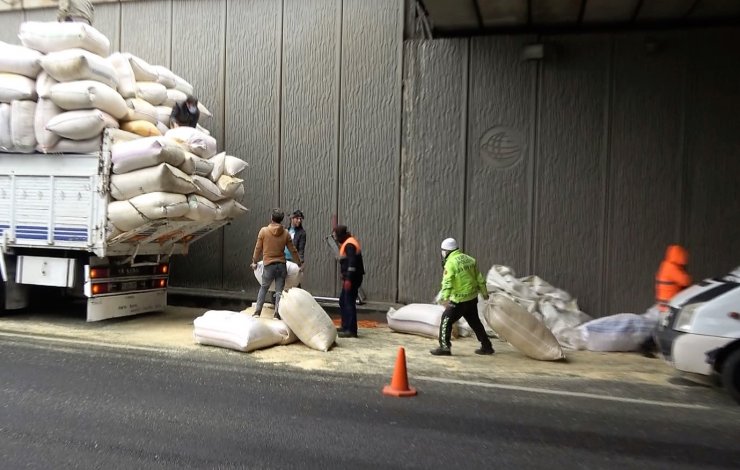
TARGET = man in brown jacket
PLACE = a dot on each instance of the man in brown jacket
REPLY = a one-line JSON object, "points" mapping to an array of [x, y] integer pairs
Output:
{"points": [[271, 243]]}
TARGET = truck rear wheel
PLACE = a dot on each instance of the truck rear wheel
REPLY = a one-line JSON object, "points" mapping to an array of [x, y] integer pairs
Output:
{"points": [[731, 374]]}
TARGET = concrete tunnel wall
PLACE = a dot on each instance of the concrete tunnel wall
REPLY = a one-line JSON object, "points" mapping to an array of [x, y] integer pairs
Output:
{"points": [[579, 168]]}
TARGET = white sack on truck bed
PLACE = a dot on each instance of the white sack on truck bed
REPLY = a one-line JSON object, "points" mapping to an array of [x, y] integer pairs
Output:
{"points": [[230, 209], [233, 166], [78, 64], [164, 177], [82, 124], [523, 330], [141, 110], [22, 115], [143, 71], [165, 76], [197, 142], [182, 85], [19, 60], [174, 97], [305, 317], [6, 138], [229, 185], [124, 73], [143, 153], [235, 330], [418, 319], [89, 94], [14, 87], [207, 188], [52, 36], [46, 110], [74, 146], [43, 85], [194, 165], [201, 209], [153, 92], [139, 210]]}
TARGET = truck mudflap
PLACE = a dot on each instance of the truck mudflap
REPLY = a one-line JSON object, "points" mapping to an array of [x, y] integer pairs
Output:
{"points": [[171, 236], [132, 303]]}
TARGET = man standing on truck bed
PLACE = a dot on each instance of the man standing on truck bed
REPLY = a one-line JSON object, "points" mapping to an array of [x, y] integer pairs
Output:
{"points": [[76, 11], [271, 243]]}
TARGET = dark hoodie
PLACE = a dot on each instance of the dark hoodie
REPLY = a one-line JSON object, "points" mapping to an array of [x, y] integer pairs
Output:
{"points": [[271, 243]]}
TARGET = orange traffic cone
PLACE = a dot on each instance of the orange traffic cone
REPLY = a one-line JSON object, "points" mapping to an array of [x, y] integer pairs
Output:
{"points": [[399, 386]]}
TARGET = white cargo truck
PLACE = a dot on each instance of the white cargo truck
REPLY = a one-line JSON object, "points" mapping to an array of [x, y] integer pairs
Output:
{"points": [[54, 232]]}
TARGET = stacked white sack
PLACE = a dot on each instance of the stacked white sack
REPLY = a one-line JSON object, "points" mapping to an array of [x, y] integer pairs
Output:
{"points": [[19, 67], [159, 177]]}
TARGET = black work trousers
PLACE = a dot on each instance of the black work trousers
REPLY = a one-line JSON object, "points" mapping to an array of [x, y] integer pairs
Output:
{"points": [[467, 310]]}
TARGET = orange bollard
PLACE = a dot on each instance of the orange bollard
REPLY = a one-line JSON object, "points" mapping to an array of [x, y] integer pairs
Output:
{"points": [[399, 386]]}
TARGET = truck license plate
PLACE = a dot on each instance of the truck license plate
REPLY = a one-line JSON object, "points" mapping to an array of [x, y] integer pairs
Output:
{"points": [[131, 285]]}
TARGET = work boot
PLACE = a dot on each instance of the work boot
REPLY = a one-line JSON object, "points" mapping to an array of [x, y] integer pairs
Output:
{"points": [[256, 314], [440, 351], [346, 334], [485, 350]]}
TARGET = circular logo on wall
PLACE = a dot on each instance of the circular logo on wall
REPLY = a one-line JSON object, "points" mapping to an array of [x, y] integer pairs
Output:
{"points": [[501, 147]]}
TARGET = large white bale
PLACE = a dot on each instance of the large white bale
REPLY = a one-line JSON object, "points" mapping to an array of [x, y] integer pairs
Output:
{"points": [[124, 73], [89, 94], [229, 185], [295, 276], [201, 209], [153, 92], [522, 329], [6, 138], [305, 317], [164, 177], [22, 115], [74, 146], [19, 60], [43, 85], [207, 188], [46, 110], [141, 110], [72, 65], [143, 71], [14, 87], [139, 210], [219, 164], [52, 36], [82, 124], [235, 330], [147, 152], [418, 319], [230, 209], [195, 141]]}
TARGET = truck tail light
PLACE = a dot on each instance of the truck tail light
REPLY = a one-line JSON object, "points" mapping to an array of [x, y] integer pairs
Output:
{"points": [[99, 273], [161, 283], [99, 289], [163, 269]]}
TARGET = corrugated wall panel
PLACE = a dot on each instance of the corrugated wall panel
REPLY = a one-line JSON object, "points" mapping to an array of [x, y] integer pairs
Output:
{"points": [[201, 60], [713, 154], [570, 167], [108, 21], [154, 17], [309, 134], [369, 137], [500, 131], [10, 22], [432, 162], [252, 126], [644, 167]]}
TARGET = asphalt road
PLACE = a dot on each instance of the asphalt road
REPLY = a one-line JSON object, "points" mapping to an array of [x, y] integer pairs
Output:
{"points": [[64, 405]]}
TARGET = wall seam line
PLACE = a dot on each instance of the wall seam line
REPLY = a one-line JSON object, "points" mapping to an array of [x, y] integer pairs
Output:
{"points": [[400, 84], [279, 152], [464, 136], [605, 238]]}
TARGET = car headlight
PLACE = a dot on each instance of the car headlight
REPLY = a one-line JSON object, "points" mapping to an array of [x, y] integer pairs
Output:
{"points": [[686, 316]]}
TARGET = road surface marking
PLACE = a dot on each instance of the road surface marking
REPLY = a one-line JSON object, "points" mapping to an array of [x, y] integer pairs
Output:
{"points": [[56, 339], [563, 393]]}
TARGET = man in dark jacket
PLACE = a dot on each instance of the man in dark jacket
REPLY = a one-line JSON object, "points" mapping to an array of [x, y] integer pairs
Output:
{"points": [[353, 270], [185, 113]]}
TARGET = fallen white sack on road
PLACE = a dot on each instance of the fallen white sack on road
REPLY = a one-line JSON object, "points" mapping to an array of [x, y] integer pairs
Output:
{"points": [[310, 323], [620, 332], [522, 329], [418, 319], [555, 307], [235, 330], [295, 276]]}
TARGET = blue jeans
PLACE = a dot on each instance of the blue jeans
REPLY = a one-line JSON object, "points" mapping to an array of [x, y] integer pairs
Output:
{"points": [[348, 308], [274, 272]]}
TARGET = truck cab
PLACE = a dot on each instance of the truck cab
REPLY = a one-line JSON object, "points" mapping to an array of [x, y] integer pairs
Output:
{"points": [[701, 333]]}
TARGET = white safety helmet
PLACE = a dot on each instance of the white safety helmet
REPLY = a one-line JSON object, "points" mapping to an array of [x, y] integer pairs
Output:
{"points": [[449, 244]]}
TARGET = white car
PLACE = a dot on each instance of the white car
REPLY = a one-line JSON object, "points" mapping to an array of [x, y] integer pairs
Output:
{"points": [[701, 335]]}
